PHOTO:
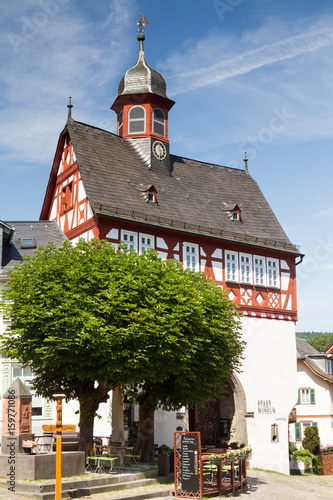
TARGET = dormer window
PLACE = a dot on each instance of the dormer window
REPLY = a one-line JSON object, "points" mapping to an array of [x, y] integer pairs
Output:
{"points": [[120, 124], [236, 213], [137, 120], [27, 243], [158, 122], [152, 197]]}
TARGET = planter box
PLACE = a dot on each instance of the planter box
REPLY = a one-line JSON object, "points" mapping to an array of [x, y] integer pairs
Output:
{"points": [[163, 465], [327, 463], [299, 467]]}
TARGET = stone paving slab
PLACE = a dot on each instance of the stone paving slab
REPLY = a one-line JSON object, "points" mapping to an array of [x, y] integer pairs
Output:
{"points": [[261, 486]]}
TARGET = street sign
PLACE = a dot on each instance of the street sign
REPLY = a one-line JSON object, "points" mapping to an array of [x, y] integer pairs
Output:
{"points": [[63, 428]]}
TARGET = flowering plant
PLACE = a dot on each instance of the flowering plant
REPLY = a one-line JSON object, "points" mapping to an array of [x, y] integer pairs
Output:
{"points": [[326, 448]]}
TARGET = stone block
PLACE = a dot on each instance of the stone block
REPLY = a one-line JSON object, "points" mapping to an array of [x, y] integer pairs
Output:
{"points": [[42, 466]]}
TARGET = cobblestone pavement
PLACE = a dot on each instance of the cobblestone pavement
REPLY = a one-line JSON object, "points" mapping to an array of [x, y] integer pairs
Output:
{"points": [[261, 486]]}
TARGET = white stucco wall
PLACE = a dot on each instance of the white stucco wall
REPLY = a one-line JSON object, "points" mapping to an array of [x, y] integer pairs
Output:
{"points": [[269, 375]]}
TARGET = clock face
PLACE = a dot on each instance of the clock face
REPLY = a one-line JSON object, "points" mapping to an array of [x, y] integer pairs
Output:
{"points": [[159, 150]]}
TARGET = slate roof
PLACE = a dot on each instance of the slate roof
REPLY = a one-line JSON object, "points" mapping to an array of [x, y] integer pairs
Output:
{"points": [[305, 351], [192, 196], [304, 348], [42, 231]]}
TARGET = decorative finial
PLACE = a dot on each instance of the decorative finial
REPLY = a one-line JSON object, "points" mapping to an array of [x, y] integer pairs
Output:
{"points": [[246, 160], [69, 106], [142, 23]]}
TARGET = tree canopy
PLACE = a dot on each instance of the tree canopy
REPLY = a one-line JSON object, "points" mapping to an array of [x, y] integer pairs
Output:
{"points": [[90, 317]]}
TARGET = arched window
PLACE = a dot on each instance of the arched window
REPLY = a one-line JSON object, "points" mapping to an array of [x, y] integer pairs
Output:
{"points": [[137, 120], [158, 122], [120, 124]]}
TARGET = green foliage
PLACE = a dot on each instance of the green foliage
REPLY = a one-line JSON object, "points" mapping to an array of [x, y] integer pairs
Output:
{"points": [[316, 464], [303, 456], [89, 317], [319, 340], [292, 449], [308, 458], [311, 440]]}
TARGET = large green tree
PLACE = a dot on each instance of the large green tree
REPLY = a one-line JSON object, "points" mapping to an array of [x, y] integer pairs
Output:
{"points": [[90, 317]]}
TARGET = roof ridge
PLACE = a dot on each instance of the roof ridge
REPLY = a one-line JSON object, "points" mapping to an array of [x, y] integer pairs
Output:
{"points": [[95, 127], [208, 163]]}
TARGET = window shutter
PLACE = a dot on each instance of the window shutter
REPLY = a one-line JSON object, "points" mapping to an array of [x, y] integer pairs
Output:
{"points": [[299, 397], [298, 431], [315, 424], [312, 396]]}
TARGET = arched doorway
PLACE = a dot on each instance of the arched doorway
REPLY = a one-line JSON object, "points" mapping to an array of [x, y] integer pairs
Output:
{"points": [[223, 419]]}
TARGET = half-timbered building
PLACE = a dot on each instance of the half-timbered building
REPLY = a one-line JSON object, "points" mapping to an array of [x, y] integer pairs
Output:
{"points": [[130, 187]]}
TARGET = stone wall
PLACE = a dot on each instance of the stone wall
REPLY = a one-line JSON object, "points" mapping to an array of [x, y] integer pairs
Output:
{"points": [[327, 462]]}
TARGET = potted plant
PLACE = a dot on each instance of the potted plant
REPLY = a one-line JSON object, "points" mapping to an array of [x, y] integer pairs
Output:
{"points": [[233, 445], [301, 462], [230, 457], [215, 459], [224, 445]]}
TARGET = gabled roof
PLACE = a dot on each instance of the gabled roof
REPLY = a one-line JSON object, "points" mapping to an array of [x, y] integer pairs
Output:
{"points": [[308, 354], [193, 196], [304, 348], [42, 232]]}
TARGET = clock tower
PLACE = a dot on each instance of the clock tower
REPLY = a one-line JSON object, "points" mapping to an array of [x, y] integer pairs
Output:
{"points": [[142, 108]]}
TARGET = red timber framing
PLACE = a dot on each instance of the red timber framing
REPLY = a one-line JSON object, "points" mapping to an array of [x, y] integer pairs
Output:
{"points": [[209, 255]]}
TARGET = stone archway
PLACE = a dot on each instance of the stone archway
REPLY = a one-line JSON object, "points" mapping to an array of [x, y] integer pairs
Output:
{"points": [[223, 419]]}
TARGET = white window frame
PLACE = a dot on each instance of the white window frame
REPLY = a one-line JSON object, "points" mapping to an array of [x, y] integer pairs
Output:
{"points": [[305, 396], [191, 256], [143, 245], [231, 271], [131, 238], [245, 268], [259, 270], [37, 401], [131, 120], [329, 366], [273, 280], [158, 121]]}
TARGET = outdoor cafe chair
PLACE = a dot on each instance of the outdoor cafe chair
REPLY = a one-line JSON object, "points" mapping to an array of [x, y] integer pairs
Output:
{"points": [[106, 460], [92, 458]]}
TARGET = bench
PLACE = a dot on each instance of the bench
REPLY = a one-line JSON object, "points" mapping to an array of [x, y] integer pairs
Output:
{"points": [[70, 440]]}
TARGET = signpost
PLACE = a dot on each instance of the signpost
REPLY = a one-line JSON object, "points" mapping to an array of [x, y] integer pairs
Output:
{"points": [[59, 428]]}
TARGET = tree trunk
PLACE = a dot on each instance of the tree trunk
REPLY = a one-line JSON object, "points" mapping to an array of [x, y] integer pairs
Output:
{"points": [[86, 429], [89, 402], [146, 429]]}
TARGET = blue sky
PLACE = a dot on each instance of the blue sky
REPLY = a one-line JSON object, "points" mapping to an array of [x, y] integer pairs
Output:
{"points": [[246, 75]]}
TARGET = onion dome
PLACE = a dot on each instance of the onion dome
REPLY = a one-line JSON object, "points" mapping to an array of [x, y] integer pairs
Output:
{"points": [[142, 79]]}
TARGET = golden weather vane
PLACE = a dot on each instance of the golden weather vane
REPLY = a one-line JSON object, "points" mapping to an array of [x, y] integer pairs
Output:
{"points": [[142, 23]]}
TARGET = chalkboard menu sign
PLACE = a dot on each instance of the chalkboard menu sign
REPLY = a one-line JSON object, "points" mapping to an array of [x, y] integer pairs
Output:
{"points": [[190, 469]]}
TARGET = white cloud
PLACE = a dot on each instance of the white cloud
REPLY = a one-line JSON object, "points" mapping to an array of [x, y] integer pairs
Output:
{"points": [[52, 60], [200, 72]]}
